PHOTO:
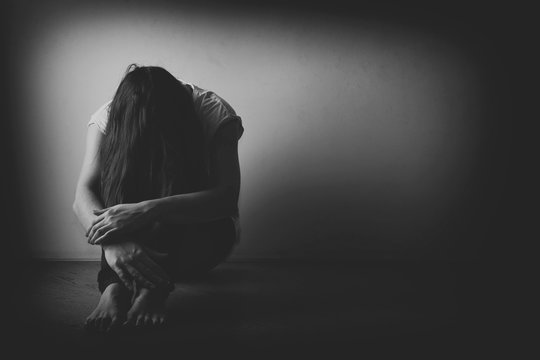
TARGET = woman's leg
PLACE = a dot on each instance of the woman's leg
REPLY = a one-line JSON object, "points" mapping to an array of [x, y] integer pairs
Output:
{"points": [[192, 250], [113, 303], [196, 248], [106, 275]]}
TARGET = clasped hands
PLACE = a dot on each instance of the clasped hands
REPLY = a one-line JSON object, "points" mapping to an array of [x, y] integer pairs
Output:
{"points": [[133, 262]]}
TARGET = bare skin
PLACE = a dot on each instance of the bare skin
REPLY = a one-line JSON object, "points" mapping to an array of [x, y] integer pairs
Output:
{"points": [[105, 224], [147, 309], [110, 312]]}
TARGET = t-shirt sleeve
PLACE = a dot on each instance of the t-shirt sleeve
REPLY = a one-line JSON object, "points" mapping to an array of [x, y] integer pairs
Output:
{"points": [[100, 117], [232, 119], [215, 112]]}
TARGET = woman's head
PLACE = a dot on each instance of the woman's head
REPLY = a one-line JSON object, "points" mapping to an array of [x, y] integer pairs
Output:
{"points": [[153, 145]]}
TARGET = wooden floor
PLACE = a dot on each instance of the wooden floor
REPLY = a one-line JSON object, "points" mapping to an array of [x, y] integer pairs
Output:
{"points": [[268, 308]]}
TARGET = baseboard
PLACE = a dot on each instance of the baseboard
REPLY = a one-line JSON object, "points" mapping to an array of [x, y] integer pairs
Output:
{"points": [[292, 260]]}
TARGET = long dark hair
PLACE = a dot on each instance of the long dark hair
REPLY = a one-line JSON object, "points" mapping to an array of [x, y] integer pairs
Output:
{"points": [[153, 145]]}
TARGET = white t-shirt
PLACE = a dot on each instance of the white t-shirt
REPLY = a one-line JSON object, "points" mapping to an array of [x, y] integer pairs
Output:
{"points": [[211, 110]]}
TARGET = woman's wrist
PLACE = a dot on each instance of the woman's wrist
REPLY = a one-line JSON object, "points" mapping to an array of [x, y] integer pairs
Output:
{"points": [[153, 209]]}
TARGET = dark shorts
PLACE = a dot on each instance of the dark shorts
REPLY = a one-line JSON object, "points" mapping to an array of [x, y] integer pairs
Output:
{"points": [[192, 249]]}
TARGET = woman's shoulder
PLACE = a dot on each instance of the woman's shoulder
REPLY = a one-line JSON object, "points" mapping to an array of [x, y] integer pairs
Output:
{"points": [[214, 112], [210, 103], [100, 117]]}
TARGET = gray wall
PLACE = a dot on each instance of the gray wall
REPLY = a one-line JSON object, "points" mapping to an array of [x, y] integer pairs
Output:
{"points": [[361, 137]]}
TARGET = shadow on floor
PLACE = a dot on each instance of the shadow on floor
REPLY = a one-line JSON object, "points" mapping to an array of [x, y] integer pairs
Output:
{"points": [[266, 308]]}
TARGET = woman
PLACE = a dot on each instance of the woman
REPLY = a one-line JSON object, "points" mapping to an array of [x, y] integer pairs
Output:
{"points": [[158, 191]]}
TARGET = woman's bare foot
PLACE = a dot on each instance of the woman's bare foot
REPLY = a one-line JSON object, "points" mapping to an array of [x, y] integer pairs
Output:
{"points": [[110, 311], [147, 309]]}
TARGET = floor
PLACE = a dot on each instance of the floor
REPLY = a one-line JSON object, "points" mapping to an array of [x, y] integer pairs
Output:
{"points": [[269, 308]]}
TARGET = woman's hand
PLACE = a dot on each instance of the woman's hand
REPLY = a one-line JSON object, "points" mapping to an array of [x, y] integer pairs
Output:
{"points": [[118, 219], [134, 265]]}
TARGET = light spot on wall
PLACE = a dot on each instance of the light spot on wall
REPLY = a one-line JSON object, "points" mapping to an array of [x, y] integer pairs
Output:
{"points": [[358, 135]]}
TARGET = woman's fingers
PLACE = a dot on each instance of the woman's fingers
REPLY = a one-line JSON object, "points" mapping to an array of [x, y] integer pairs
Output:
{"points": [[105, 237], [96, 220], [123, 277], [94, 227], [147, 273], [139, 277], [100, 211], [154, 267], [158, 270], [100, 232], [155, 274]]}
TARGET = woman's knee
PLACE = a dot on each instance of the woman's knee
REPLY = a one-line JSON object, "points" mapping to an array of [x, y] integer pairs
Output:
{"points": [[204, 246], [223, 228]]}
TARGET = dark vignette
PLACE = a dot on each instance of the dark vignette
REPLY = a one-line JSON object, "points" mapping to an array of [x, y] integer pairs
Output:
{"points": [[498, 37]]}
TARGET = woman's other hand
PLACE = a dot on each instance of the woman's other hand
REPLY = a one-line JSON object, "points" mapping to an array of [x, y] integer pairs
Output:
{"points": [[134, 264], [118, 219]]}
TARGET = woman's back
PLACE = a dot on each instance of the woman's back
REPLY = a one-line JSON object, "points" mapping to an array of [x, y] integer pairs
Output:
{"points": [[211, 115], [158, 189], [212, 111]]}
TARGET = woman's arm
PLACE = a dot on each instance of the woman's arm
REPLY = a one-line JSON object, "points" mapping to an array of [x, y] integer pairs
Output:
{"points": [[220, 201], [131, 261]]}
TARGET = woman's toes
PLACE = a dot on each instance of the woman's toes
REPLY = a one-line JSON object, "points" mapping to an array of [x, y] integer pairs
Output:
{"points": [[140, 321], [99, 324], [131, 319], [92, 324], [105, 323], [95, 324], [115, 323]]}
